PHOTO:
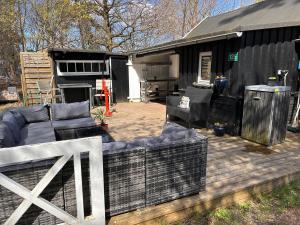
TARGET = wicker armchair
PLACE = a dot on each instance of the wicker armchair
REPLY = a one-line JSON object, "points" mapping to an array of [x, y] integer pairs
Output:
{"points": [[199, 106]]}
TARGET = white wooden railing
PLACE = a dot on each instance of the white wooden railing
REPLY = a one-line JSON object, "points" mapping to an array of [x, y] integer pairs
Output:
{"points": [[64, 150]]}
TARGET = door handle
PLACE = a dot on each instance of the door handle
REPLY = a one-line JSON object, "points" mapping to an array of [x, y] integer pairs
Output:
{"points": [[256, 98]]}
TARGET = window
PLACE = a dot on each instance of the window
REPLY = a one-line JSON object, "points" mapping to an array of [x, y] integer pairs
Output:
{"points": [[204, 71], [82, 67]]}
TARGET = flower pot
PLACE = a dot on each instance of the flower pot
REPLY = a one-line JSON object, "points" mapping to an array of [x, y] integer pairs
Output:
{"points": [[219, 131], [104, 125]]}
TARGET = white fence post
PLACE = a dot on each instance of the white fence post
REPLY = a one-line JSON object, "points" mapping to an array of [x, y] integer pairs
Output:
{"points": [[65, 150]]}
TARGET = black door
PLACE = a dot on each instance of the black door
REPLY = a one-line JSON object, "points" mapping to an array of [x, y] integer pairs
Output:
{"points": [[120, 81]]}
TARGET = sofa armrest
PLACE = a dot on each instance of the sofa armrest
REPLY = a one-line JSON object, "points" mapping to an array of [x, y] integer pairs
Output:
{"points": [[173, 100]]}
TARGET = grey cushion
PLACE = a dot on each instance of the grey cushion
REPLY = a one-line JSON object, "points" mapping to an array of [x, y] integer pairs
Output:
{"points": [[12, 124], [172, 127], [46, 124], [199, 94], [35, 114], [6, 137], [20, 119], [114, 146], [181, 113], [35, 135], [143, 142], [70, 111], [179, 136], [74, 123]]}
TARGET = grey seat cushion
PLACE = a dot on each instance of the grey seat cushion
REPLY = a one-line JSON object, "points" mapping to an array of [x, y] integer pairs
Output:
{"points": [[46, 124], [70, 110], [73, 123], [38, 134], [35, 114], [6, 137]]}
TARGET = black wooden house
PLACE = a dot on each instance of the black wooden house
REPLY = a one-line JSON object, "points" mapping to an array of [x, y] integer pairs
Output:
{"points": [[74, 66], [247, 46]]}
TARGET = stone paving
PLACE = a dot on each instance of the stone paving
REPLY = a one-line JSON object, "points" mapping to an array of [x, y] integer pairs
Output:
{"points": [[134, 120]]}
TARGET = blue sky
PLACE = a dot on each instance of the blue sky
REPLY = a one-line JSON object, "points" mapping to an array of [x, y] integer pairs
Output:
{"points": [[228, 5]]}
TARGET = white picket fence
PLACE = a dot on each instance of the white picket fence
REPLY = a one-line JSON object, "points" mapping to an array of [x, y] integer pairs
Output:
{"points": [[64, 150]]}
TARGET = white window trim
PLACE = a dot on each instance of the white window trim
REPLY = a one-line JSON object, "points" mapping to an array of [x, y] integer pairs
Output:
{"points": [[59, 73], [201, 54]]}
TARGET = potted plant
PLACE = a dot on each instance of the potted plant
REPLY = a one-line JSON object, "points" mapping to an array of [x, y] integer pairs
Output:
{"points": [[219, 129], [99, 116]]}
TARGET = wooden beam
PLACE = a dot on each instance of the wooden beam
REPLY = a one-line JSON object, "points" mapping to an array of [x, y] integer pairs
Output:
{"points": [[97, 185], [78, 186]]}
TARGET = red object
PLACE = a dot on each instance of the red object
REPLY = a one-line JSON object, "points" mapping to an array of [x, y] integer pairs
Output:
{"points": [[107, 113]]}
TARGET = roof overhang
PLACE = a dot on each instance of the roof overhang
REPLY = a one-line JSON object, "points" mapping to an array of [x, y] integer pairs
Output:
{"points": [[67, 50], [184, 42]]}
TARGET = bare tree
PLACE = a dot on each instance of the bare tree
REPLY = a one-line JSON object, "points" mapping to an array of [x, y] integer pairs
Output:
{"points": [[9, 39]]}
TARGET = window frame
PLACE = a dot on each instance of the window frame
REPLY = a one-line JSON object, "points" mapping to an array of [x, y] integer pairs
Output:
{"points": [[202, 54], [59, 73]]}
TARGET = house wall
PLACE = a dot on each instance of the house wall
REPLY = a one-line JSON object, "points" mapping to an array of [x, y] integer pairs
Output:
{"points": [[119, 73], [261, 54]]}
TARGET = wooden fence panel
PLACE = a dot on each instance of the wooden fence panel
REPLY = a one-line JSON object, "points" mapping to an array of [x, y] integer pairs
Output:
{"points": [[35, 66]]}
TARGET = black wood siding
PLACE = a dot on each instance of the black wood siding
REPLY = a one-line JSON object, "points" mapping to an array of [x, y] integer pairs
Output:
{"points": [[120, 79], [119, 74], [261, 54], [78, 56]]}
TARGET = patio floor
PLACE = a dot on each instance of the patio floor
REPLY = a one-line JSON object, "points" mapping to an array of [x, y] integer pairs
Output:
{"points": [[235, 169]]}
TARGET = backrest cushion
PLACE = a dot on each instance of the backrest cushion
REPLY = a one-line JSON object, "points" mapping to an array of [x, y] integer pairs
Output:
{"points": [[66, 111], [20, 119], [6, 137], [179, 136], [171, 127], [11, 122], [199, 94], [34, 114]]}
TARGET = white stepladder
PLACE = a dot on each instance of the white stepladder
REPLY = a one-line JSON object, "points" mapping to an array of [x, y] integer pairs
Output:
{"points": [[64, 150]]}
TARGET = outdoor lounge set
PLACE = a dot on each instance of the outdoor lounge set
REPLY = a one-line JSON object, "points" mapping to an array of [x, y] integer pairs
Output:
{"points": [[138, 173]]}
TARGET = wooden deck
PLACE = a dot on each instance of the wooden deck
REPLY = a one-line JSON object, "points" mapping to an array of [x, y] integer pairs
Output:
{"points": [[236, 168]]}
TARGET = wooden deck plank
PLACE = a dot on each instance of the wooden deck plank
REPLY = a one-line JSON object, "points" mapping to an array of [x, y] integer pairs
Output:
{"points": [[232, 172]]}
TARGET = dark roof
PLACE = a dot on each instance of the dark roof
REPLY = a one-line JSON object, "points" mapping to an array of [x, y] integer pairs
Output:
{"points": [[264, 15], [85, 51]]}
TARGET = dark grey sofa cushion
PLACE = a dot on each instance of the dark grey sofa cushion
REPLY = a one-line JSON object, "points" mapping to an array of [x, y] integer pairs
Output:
{"points": [[6, 137], [114, 146], [20, 119], [179, 136], [143, 142], [74, 123], [35, 114], [178, 112], [70, 110], [38, 134], [46, 124], [12, 124], [171, 127]]}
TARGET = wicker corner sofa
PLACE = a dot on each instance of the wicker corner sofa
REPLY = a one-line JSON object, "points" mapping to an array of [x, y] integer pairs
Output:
{"points": [[138, 173]]}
